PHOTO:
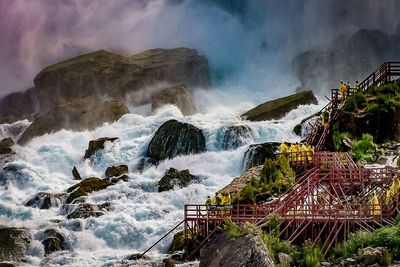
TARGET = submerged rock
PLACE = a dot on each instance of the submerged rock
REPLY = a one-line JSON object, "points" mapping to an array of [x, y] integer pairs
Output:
{"points": [[87, 210], [115, 171], [276, 109], [173, 177], [235, 136], [53, 241], [95, 145], [90, 185], [175, 138], [177, 95], [257, 153], [222, 251], [44, 200], [14, 243]]}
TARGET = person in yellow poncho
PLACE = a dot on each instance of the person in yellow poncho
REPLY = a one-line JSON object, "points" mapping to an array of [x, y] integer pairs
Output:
{"points": [[304, 152], [375, 207], [356, 87], [208, 201], [342, 89], [294, 149], [394, 187], [284, 148]]}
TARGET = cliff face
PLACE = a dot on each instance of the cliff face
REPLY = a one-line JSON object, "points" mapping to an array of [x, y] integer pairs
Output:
{"points": [[106, 74], [347, 59]]}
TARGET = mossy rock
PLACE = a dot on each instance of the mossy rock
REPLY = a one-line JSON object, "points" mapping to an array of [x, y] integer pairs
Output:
{"points": [[87, 186], [14, 243], [178, 243], [173, 177], [175, 138], [6, 143], [276, 109], [95, 145], [87, 210], [115, 171]]}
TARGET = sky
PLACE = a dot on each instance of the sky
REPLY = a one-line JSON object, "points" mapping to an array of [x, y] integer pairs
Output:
{"points": [[249, 44]]}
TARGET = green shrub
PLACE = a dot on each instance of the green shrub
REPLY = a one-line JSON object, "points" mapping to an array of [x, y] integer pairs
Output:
{"points": [[233, 229], [364, 148], [355, 102], [312, 255], [338, 137]]}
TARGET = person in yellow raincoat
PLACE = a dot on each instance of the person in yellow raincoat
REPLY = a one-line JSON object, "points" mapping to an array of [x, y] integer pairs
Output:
{"points": [[310, 152], [375, 207], [208, 201], [325, 117], [293, 152], [303, 152], [356, 87], [342, 89], [284, 149]]}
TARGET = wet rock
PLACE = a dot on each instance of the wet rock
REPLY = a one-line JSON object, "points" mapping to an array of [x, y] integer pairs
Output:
{"points": [[178, 242], [173, 177], [381, 160], [137, 256], [285, 259], [44, 200], [80, 114], [175, 138], [95, 145], [276, 109], [115, 171], [14, 243], [87, 210], [75, 174], [249, 251], [178, 95], [7, 264], [53, 241], [169, 262], [235, 136], [90, 185], [6, 143], [378, 255], [257, 153]]}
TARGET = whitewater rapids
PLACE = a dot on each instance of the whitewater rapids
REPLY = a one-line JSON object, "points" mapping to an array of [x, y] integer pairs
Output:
{"points": [[140, 214]]}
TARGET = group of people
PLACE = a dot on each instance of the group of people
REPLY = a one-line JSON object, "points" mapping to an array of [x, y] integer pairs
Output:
{"points": [[297, 152], [219, 199], [344, 89]]}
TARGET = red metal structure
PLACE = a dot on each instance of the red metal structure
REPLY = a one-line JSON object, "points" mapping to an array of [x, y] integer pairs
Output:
{"points": [[331, 199]]}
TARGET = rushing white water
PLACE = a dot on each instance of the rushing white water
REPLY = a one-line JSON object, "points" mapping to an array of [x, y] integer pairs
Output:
{"points": [[140, 214]]}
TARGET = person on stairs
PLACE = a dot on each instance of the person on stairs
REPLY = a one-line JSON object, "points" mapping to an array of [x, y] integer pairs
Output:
{"points": [[356, 87]]}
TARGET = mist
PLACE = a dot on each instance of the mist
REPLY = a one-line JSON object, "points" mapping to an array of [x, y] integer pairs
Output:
{"points": [[249, 44]]}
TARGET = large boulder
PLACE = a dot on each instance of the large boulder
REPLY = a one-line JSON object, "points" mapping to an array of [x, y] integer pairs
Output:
{"points": [[14, 243], [347, 58], [235, 136], [173, 178], [178, 95], [89, 185], [256, 154], [95, 145], [370, 256], [77, 115], [45, 200], [276, 109], [5, 145], [53, 241], [222, 251], [87, 210], [105, 74], [115, 171], [175, 138]]}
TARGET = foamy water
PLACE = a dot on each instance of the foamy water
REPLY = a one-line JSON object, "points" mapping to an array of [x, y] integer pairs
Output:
{"points": [[140, 214]]}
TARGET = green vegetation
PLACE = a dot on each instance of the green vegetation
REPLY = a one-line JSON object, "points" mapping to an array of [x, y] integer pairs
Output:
{"points": [[338, 137], [354, 102], [364, 149], [276, 177], [312, 255], [234, 230]]}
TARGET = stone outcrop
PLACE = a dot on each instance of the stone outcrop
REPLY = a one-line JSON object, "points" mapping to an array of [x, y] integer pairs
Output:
{"points": [[95, 145], [115, 171], [235, 136], [238, 183], [5, 146], [257, 153], [175, 138], [348, 58], [14, 243], [178, 95], [75, 174], [90, 185], [105, 74], [276, 109], [53, 241], [173, 178], [77, 115], [45, 200], [249, 251], [87, 210]]}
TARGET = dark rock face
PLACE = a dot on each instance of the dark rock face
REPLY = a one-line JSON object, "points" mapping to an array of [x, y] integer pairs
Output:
{"points": [[97, 144], [44, 200], [249, 251], [90, 185], [87, 210], [347, 59], [175, 138], [14, 243], [257, 153], [115, 171], [6, 143], [107, 74], [53, 241], [75, 174], [276, 109], [177, 95], [76, 115], [173, 177], [235, 136]]}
